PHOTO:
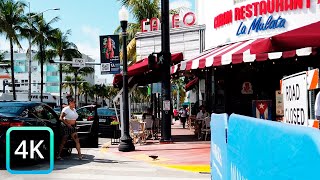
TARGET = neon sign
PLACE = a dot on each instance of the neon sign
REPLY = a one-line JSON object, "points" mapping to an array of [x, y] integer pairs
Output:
{"points": [[258, 25], [154, 24], [259, 8]]}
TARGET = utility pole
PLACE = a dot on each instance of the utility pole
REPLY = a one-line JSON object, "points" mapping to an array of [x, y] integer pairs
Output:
{"points": [[166, 84]]}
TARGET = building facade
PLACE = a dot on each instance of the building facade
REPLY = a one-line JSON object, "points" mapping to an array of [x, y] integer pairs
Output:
{"points": [[51, 75], [248, 83]]}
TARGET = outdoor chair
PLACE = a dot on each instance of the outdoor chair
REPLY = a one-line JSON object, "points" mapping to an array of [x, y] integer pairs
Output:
{"points": [[148, 127], [191, 121], [137, 131], [156, 127], [205, 129]]}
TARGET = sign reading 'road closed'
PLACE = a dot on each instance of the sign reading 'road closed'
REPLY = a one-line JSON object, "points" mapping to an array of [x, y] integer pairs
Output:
{"points": [[295, 99]]}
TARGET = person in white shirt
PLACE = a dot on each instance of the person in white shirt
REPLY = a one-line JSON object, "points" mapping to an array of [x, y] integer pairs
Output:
{"points": [[202, 113], [69, 117], [183, 116], [317, 106]]}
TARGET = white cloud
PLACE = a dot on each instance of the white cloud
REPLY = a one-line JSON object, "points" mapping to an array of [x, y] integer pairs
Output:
{"points": [[185, 4], [91, 32], [92, 51], [88, 49]]}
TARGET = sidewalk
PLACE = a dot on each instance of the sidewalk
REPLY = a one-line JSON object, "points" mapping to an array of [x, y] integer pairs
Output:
{"points": [[186, 153]]}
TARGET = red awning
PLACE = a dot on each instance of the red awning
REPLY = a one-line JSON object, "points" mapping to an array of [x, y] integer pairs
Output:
{"points": [[306, 36], [141, 67], [192, 84], [234, 53]]}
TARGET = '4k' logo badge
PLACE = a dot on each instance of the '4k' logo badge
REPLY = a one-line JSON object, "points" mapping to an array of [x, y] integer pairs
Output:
{"points": [[29, 144]]}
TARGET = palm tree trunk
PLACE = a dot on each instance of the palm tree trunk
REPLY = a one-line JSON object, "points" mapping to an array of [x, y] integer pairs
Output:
{"points": [[12, 71], [60, 86], [41, 69]]}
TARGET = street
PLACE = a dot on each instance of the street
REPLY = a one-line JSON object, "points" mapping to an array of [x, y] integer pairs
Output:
{"points": [[99, 164]]}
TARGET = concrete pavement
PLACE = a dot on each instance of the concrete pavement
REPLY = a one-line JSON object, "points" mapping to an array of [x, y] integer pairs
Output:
{"points": [[187, 153], [100, 164]]}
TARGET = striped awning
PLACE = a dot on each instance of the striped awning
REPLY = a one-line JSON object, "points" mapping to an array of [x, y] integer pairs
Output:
{"points": [[235, 53]]}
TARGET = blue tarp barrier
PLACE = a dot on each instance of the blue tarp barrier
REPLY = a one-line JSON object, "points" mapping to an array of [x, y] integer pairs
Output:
{"points": [[218, 161], [266, 150]]}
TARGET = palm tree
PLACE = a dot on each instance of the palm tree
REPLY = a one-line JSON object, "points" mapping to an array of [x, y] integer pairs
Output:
{"points": [[180, 84], [63, 49], [12, 20], [43, 36], [69, 84], [140, 10], [76, 71], [111, 92], [97, 91], [84, 89]]}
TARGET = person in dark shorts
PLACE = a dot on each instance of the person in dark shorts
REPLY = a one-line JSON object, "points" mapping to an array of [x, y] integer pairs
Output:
{"points": [[68, 117], [183, 116]]}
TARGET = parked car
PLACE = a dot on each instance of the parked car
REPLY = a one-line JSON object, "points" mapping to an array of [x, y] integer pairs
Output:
{"points": [[15, 113], [106, 116], [57, 110]]}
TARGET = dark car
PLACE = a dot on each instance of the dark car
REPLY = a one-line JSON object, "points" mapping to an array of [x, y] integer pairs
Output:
{"points": [[14, 113], [57, 110], [106, 116]]}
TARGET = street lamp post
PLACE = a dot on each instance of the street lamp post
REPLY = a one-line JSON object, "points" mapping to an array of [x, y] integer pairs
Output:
{"points": [[126, 144], [30, 51]]}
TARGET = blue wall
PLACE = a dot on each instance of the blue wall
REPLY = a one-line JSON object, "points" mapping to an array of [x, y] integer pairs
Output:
{"points": [[265, 150]]}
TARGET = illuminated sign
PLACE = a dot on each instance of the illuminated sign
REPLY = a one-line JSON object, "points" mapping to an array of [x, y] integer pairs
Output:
{"points": [[153, 24], [258, 25], [260, 8]]}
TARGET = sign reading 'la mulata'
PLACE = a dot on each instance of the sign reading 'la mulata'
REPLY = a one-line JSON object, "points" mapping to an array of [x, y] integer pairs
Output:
{"points": [[258, 25]]}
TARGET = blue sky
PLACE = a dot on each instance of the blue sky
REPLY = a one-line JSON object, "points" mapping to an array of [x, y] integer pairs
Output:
{"points": [[86, 19]]}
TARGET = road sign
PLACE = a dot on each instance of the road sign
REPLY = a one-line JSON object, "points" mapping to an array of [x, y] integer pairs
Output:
{"points": [[295, 99], [78, 62]]}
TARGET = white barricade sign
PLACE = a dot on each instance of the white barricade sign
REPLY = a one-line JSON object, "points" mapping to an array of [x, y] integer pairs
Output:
{"points": [[295, 99]]}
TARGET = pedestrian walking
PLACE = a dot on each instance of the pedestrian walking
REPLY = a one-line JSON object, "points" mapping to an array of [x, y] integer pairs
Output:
{"points": [[69, 117], [183, 117]]}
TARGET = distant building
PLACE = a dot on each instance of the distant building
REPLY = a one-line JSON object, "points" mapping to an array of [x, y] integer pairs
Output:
{"points": [[51, 75]]}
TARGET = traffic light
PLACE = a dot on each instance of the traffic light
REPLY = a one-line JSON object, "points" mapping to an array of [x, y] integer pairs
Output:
{"points": [[160, 58], [151, 61]]}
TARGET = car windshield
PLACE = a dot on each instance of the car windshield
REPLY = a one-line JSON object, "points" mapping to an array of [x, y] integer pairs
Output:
{"points": [[11, 109], [106, 112]]}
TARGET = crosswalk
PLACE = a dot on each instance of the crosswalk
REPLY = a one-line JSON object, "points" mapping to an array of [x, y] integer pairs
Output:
{"points": [[100, 165]]}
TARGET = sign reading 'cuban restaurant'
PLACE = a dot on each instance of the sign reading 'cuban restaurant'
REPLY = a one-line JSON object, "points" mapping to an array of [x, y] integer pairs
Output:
{"points": [[109, 54], [257, 10]]}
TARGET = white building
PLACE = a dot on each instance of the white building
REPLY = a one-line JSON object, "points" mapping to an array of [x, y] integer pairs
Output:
{"points": [[50, 76]]}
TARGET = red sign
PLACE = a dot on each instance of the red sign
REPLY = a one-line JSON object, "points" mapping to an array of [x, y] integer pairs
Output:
{"points": [[189, 19], [263, 7]]}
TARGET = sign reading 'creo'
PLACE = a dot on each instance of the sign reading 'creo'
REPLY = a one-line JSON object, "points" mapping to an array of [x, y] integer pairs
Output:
{"points": [[259, 8], [189, 19]]}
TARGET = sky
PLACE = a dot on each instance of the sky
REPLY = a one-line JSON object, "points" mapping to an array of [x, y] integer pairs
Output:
{"points": [[87, 21]]}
